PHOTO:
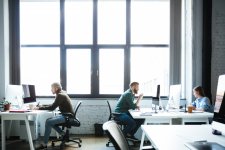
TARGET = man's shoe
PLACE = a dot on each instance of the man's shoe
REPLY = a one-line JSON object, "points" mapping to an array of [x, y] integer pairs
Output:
{"points": [[41, 147]]}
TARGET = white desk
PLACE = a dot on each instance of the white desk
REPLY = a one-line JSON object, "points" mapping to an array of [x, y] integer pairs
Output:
{"points": [[18, 116], [167, 116], [166, 137]]}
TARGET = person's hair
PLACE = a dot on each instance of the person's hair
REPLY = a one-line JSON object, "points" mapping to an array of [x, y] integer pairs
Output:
{"points": [[57, 85], [133, 84], [200, 90]]}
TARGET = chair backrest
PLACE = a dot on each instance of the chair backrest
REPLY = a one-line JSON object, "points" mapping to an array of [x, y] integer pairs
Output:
{"points": [[76, 108], [74, 121], [116, 135], [110, 111]]}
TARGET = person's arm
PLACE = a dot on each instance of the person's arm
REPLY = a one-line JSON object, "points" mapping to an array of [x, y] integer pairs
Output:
{"points": [[55, 104], [138, 101], [130, 101], [205, 104], [194, 105]]}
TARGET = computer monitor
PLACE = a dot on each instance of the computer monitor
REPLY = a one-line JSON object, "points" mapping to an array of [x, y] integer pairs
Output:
{"points": [[218, 124], [14, 94], [155, 100], [174, 97], [29, 93]]}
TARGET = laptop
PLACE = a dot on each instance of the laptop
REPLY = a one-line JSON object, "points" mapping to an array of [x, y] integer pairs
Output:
{"points": [[204, 146]]}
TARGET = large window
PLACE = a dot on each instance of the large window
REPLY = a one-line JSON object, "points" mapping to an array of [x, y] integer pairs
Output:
{"points": [[112, 22], [111, 72], [40, 66], [39, 22], [78, 71], [78, 22], [95, 48], [150, 66], [150, 22]]}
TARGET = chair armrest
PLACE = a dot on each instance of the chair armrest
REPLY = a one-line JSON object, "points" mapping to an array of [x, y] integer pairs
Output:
{"points": [[115, 113]]}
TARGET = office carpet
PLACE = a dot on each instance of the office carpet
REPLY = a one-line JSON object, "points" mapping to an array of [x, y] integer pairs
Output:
{"points": [[88, 143]]}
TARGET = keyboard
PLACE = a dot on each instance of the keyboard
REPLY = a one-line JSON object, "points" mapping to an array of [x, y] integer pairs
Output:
{"points": [[19, 110], [146, 114], [204, 146]]}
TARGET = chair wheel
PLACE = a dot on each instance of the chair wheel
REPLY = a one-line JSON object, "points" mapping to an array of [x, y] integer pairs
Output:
{"points": [[53, 144], [107, 144], [79, 145]]}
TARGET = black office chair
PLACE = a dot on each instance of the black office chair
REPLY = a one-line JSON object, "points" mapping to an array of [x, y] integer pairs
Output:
{"points": [[115, 135], [112, 116], [71, 121]]}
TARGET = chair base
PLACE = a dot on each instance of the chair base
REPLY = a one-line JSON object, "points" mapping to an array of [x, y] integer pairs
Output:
{"points": [[66, 139], [134, 143]]}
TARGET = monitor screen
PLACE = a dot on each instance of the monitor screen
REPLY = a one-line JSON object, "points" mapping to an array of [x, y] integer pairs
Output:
{"points": [[219, 108], [29, 93], [14, 95], [155, 100], [174, 96]]}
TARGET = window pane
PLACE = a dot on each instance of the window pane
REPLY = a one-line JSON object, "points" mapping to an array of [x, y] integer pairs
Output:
{"points": [[111, 21], [78, 71], [78, 22], [39, 22], [111, 71], [150, 22], [40, 66], [150, 67]]}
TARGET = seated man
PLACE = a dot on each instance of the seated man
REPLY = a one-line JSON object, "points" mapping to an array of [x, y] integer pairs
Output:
{"points": [[126, 102], [62, 101]]}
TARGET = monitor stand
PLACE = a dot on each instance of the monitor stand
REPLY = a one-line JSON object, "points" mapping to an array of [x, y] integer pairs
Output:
{"points": [[155, 108]]}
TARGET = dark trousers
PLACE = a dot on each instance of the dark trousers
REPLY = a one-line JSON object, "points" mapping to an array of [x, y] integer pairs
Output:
{"points": [[131, 125]]}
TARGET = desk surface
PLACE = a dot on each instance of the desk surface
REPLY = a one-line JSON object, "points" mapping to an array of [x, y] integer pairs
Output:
{"points": [[165, 137], [18, 116], [168, 114], [33, 112]]}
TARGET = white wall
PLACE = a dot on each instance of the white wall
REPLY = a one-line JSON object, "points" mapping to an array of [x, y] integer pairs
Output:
{"points": [[218, 43]]}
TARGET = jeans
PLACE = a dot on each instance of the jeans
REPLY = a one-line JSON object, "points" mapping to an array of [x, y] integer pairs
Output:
{"points": [[130, 125], [51, 123]]}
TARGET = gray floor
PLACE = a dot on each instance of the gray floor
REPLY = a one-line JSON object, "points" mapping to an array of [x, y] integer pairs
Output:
{"points": [[88, 143]]}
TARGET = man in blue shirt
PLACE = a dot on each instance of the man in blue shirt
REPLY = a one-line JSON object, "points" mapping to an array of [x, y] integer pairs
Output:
{"points": [[126, 102]]}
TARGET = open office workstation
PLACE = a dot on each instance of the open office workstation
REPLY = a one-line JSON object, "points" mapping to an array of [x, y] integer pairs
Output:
{"points": [[95, 48], [24, 109], [22, 99], [152, 115], [188, 136]]}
